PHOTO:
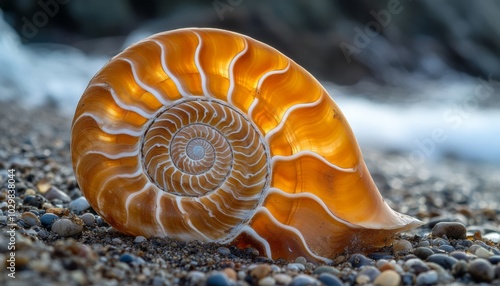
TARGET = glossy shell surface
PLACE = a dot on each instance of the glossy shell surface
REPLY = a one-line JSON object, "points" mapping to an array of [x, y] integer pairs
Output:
{"points": [[211, 135]]}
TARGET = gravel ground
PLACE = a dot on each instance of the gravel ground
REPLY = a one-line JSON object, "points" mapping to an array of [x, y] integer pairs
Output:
{"points": [[59, 240]]}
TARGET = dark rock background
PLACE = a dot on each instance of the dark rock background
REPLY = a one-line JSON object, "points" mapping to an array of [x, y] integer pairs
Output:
{"points": [[387, 41]]}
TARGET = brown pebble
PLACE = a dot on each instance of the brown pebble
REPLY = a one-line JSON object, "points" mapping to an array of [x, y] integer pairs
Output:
{"points": [[58, 211], [230, 273], [402, 246], [261, 271], [388, 278], [481, 270], [452, 230]]}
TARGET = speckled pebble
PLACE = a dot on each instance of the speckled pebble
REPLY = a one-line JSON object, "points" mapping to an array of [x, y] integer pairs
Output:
{"points": [[402, 246], [260, 271], [65, 227], [30, 218], [139, 239], [443, 260], [224, 251], [388, 278], [427, 278], [452, 230], [481, 270], [267, 281], [218, 279], [88, 219], [48, 219], [358, 260], [79, 205], [329, 279]]}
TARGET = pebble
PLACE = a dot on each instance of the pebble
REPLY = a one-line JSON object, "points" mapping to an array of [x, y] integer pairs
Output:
{"points": [[88, 219], [494, 259], [443, 260], [303, 279], [65, 227], [230, 273], [195, 278], [301, 259], [423, 252], [282, 278], [402, 246], [459, 255], [30, 218], [139, 239], [326, 269], [452, 230], [482, 253], [260, 271], [416, 265], [218, 279], [427, 278], [127, 258], [79, 205], [224, 251], [370, 272], [295, 267], [481, 270], [358, 260], [493, 236], [329, 279], [388, 278], [267, 281], [55, 193], [48, 219], [446, 248]]}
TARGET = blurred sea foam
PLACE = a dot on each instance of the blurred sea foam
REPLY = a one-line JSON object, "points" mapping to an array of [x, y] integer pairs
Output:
{"points": [[428, 128]]}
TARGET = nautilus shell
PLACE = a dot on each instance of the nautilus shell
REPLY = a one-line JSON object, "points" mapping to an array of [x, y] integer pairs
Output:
{"points": [[205, 134]]}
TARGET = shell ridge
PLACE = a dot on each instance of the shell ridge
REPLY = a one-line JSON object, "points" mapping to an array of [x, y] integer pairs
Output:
{"points": [[235, 59], [114, 156], [250, 231], [166, 70], [273, 72], [279, 225], [158, 213], [203, 76], [121, 104], [292, 157], [157, 94], [109, 128], [130, 198], [278, 128], [185, 217]]}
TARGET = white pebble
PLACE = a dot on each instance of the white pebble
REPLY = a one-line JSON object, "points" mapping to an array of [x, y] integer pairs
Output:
{"points": [[79, 205]]}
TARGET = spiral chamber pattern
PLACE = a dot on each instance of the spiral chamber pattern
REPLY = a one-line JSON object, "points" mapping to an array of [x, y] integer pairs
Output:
{"points": [[210, 135]]}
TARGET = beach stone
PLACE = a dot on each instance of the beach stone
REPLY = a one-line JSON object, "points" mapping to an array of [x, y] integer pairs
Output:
{"points": [[267, 281], [493, 236], [54, 193], [481, 270], [459, 255], [36, 201], [282, 278], [301, 259], [295, 267], [482, 252], [65, 227], [452, 230], [446, 248], [388, 278], [30, 218], [423, 243], [88, 219], [195, 278], [427, 278], [459, 269], [260, 271], [218, 279], [230, 273], [423, 252], [443, 260], [369, 271], [139, 239], [48, 219], [402, 246], [495, 259], [79, 205], [326, 269], [303, 279], [358, 260], [127, 258], [224, 251], [416, 265], [329, 279]]}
